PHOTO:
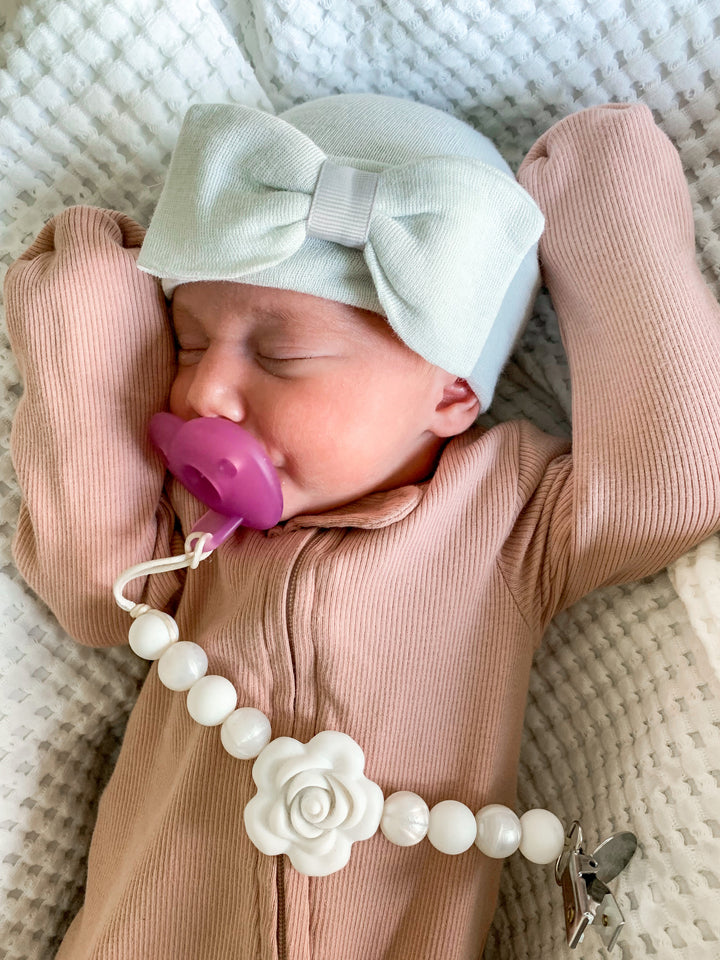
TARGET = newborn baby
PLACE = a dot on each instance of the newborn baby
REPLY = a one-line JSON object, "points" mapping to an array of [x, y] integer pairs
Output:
{"points": [[346, 282]]}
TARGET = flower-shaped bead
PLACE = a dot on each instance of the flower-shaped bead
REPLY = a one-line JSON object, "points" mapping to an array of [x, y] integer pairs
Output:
{"points": [[313, 802]]}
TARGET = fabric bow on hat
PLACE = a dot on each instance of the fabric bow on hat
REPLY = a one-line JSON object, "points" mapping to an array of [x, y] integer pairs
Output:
{"points": [[441, 237]]}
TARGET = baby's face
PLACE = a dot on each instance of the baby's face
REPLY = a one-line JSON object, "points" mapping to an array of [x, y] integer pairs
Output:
{"points": [[342, 407]]}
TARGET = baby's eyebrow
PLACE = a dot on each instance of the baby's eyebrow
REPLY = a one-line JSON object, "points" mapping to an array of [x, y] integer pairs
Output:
{"points": [[274, 315], [279, 322], [276, 320]]}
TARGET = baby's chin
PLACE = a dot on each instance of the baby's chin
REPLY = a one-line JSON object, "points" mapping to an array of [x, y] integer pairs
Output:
{"points": [[298, 503], [299, 506]]}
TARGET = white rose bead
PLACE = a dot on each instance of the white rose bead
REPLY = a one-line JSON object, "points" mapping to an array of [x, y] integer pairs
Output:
{"points": [[405, 818], [245, 733], [313, 802], [152, 633], [452, 827], [211, 700], [498, 831], [181, 665], [543, 836]]}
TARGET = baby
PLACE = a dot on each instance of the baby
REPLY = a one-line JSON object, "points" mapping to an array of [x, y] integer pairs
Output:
{"points": [[353, 315]]}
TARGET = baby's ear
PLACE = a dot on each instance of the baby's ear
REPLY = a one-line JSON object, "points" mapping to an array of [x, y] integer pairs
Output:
{"points": [[457, 410]]}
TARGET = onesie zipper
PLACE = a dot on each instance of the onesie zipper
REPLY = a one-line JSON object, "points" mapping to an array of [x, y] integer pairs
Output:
{"points": [[281, 942], [289, 604], [280, 872]]}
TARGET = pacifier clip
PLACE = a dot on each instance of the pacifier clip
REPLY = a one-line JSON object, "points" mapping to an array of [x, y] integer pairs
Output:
{"points": [[313, 800]]}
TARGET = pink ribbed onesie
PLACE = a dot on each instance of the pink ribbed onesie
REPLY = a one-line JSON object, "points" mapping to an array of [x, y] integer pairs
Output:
{"points": [[408, 619]]}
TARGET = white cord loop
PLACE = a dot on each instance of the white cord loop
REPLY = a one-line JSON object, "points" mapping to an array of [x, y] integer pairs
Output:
{"points": [[139, 609], [191, 558], [197, 551]]}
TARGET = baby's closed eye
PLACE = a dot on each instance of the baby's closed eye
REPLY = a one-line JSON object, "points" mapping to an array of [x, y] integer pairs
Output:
{"points": [[286, 366], [287, 358]]}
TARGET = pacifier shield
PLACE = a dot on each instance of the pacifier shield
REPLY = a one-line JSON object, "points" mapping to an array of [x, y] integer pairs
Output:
{"points": [[222, 465]]}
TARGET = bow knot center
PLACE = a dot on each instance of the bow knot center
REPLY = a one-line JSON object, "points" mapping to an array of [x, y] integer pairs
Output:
{"points": [[342, 205]]}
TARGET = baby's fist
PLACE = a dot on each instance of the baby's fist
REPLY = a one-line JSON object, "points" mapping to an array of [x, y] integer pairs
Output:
{"points": [[611, 186]]}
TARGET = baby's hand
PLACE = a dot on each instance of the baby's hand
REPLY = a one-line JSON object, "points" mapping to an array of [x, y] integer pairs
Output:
{"points": [[76, 296], [613, 192]]}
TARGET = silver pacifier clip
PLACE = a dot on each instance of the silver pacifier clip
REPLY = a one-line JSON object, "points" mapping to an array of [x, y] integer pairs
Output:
{"points": [[587, 901]]}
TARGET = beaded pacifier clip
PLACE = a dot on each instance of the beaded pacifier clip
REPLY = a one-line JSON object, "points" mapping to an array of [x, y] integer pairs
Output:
{"points": [[313, 800]]}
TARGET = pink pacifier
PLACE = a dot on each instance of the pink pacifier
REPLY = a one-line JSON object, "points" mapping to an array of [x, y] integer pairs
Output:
{"points": [[225, 467]]}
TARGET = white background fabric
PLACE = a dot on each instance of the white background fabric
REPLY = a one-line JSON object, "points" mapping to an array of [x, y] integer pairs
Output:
{"points": [[623, 722]]}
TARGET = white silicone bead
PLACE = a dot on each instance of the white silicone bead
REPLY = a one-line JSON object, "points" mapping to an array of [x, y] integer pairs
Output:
{"points": [[452, 827], [211, 700], [181, 665], [543, 836], [498, 831], [152, 633], [245, 733], [405, 818]]}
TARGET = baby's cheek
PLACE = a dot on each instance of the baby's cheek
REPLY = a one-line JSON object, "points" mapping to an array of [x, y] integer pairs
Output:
{"points": [[313, 444]]}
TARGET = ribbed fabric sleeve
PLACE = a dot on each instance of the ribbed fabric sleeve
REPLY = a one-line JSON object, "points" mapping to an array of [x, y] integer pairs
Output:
{"points": [[642, 334], [96, 357]]}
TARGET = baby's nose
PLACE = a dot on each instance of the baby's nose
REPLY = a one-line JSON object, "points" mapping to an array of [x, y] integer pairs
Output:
{"points": [[216, 389]]}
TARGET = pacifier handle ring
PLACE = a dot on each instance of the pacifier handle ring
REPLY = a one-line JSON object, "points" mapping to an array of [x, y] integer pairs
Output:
{"points": [[194, 553]]}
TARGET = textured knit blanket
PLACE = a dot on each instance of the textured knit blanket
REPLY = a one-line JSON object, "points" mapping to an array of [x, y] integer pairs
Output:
{"points": [[623, 721]]}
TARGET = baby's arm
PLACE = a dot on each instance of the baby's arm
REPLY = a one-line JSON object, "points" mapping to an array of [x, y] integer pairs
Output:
{"points": [[642, 334], [96, 356]]}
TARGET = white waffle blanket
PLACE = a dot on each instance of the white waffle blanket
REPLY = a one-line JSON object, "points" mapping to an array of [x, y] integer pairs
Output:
{"points": [[623, 723]]}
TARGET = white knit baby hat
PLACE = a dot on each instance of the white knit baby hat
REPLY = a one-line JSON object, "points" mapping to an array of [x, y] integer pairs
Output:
{"points": [[373, 201]]}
